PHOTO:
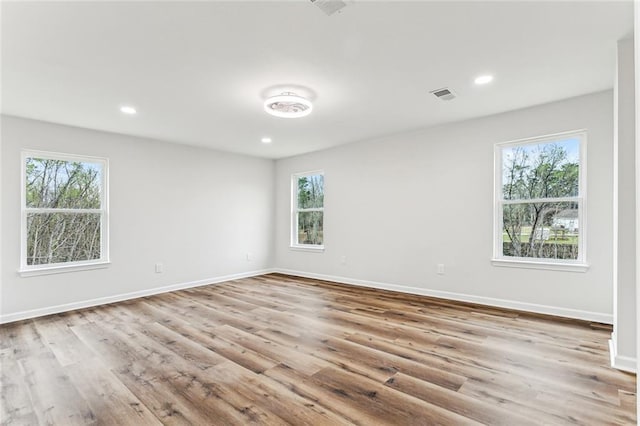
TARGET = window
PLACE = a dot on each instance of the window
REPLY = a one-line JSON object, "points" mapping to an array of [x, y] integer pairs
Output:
{"points": [[539, 209], [308, 210], [64, 211]]}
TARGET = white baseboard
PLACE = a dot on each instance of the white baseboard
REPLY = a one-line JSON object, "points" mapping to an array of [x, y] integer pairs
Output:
{"points": [[489, 301], [18, 316], [624, 363], [502, 303]]}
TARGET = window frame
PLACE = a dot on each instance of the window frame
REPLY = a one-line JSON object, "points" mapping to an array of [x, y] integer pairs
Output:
{"points": [[573, 265], [294, 244], [52, 268]]}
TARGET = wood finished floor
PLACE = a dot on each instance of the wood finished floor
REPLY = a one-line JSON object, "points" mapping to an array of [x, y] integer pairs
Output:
{"points": [[282, 350]]}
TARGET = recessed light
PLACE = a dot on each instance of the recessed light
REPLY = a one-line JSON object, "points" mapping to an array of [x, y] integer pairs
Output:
{"points": [[483, 79], [265, 140], [128, 110], [288, 105]]}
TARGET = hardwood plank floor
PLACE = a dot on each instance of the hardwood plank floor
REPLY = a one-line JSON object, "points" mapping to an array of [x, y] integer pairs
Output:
{"points": [[278, 350]]}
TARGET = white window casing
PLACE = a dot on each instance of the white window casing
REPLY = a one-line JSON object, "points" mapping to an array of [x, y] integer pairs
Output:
{"points": [[576, 225], [296, 211], [32, 268]]}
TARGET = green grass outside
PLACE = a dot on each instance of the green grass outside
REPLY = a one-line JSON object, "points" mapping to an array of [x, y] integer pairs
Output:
{"points": [[554, 237]]}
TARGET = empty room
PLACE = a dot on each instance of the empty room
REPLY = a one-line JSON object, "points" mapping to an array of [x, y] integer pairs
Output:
{"points": [[319, 212]]}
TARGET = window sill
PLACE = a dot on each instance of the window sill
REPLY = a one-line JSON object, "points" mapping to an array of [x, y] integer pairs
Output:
{"points": [[59, 269], [532, 264], [312, 249]]}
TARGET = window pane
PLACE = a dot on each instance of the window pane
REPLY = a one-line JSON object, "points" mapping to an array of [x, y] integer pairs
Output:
{"points": [[311, 192], [62, 237], [543, 170], [310, 228], [541, 230], [63, 184]]}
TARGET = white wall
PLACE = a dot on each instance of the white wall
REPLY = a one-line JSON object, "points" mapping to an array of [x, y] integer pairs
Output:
{"points": [[396, 207], [637, 79], [195, 210], [624, 267]]}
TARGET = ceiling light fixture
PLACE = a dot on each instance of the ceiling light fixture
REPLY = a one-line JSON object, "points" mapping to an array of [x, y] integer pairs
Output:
{"points": [[128, 110], [483, 79], [288, 105], [265, 140]]}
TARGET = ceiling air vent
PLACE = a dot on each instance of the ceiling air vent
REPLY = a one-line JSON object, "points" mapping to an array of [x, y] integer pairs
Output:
{"points": [[329, 6], [444, 94]]}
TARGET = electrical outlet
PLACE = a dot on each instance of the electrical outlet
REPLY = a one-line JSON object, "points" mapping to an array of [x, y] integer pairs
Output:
{"points": [[343, 260], [159, 268], [249, 256], [440, 269]]}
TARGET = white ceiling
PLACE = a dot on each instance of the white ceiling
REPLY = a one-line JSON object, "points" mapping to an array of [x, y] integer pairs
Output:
{"points": [[198, 72]]}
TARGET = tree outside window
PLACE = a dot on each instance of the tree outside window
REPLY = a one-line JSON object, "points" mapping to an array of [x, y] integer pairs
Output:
{"points": [[540, 206], [64, 210], [308, 212]]}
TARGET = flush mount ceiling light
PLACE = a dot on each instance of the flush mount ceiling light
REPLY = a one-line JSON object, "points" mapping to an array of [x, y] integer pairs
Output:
{"points": [[265, 140], [288, 105], [125, 109], [483, 79]]}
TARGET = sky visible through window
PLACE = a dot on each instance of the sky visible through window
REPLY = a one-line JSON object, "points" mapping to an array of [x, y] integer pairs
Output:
{"points": [[63, 202], [571, 147], [540, 206], [63, 174]]}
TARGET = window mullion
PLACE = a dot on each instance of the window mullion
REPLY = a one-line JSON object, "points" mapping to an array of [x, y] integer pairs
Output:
{"points": [[316, 209], [55, 210], [542, 200]]}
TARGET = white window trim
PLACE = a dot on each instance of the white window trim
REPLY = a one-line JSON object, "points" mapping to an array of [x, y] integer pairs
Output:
{"points": [[60, 268], [294, 245], [54, 268], [578, 265]]}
